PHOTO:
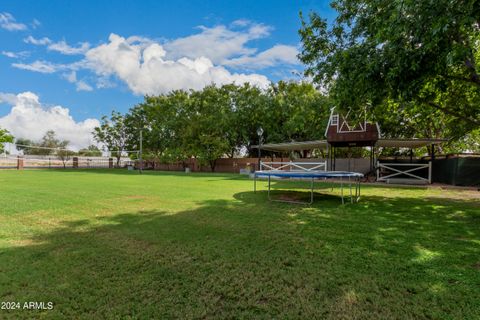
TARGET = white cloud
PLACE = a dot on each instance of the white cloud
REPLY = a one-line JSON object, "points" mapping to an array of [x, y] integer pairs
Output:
{"points": [[279, 54], [21, 54], [83, 86], [240, 23], [70, 77], [146, 70], [64, 48], [39, 66], [29, 118], [105, 82], [80, 84], [35, 24], [148, 66], [217, 43], [9, 98], [9, 54], [39, 42], [61, 46], [8, 22]]}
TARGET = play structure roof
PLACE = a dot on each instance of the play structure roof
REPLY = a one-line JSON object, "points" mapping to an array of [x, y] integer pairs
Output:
{"points": [[322, 144]]}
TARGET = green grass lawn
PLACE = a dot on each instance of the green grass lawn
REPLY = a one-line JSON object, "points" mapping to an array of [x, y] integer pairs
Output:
{"points": [[116, 244]]}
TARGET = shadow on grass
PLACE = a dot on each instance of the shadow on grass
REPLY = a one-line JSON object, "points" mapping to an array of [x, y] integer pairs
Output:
{"points": [[150, 173], [244, 258]]}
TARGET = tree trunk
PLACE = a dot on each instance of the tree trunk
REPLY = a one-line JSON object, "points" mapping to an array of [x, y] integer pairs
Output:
{"points": [[213, 163]]}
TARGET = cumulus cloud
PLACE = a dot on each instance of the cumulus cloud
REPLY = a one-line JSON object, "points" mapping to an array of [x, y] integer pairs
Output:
{"points": [[148, 66], [8, 22], [279, 54], [29, 118], [217, 43], [9, 98], [146, 70]]}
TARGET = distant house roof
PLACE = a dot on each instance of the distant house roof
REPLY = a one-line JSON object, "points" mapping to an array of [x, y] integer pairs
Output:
{"points": [[322, 144]]}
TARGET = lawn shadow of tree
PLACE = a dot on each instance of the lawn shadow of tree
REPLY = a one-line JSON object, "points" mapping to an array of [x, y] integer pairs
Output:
{"points": [[244, 258], [153, 173]]}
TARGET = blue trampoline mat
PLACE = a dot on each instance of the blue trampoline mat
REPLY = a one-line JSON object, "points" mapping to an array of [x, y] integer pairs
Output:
{"points": [[306, 174]]}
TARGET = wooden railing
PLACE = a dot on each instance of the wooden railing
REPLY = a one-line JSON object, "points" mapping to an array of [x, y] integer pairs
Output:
{"points": [[294, 166], [386, 171]]}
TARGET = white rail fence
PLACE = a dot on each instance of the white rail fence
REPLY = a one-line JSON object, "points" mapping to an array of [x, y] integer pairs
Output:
{"points": [[392, 171], [294, 166], [28, 161]]}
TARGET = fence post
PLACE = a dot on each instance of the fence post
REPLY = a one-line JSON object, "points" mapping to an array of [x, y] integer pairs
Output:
{"points": [[430, 172], [19, 163], [110, 163], [378, 170], [75, 162]]}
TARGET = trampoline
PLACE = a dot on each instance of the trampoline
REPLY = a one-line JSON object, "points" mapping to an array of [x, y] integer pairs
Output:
{"points": [[345, 177]]}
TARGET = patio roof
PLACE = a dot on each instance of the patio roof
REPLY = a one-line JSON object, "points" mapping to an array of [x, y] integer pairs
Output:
{"points": [[408, 143], [322, 144]]}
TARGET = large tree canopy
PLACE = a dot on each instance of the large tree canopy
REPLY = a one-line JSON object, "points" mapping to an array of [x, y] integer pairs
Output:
{"points": [[223, 121], [417, 54], [113, 133]]}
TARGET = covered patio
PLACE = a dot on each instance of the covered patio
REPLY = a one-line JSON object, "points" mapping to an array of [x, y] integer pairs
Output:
{"points": [[407, 172]]}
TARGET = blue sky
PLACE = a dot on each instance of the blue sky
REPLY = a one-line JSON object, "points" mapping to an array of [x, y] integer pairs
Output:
{"points": [[64, 64]]}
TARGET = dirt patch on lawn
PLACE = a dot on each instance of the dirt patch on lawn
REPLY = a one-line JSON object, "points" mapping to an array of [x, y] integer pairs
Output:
{"points": [[458, 195], [291, 196]]}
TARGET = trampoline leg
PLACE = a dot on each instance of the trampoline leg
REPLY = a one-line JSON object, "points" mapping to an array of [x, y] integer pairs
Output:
{"points": [[311, 192], [356, 190], [350, 187], [341, 190], [359, 188], [269, 187]]}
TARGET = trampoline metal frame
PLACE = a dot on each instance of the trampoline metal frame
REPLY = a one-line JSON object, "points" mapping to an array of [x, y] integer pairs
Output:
{"points": [[355, 179]]}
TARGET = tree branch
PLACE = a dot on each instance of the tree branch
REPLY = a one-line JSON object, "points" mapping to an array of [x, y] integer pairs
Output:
{"points": [[454, 113]]}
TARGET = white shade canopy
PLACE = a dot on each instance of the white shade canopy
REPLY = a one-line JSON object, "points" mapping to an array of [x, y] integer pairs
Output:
{"points": [[323, 144]]}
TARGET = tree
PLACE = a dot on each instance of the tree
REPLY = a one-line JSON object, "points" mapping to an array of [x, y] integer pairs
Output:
{"points": [[416, 53], [5, 136], [63, 153], [113, 133], [23, 144], [303, 111], [163, 119], [49, 145], [208, 118], [90, 151], [52, 145], [223, 121]]}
